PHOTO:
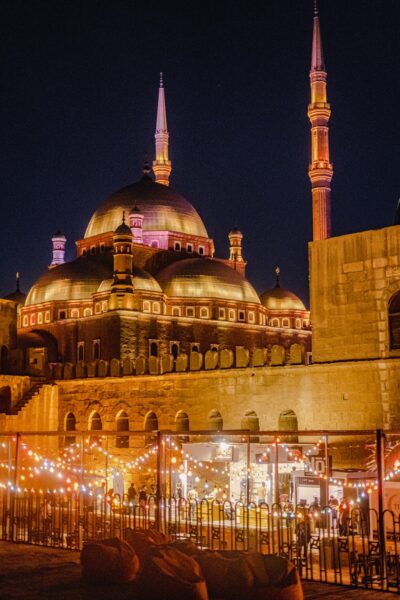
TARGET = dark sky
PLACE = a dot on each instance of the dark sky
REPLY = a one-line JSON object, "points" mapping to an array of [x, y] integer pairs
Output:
{"points": [[78, 104]]}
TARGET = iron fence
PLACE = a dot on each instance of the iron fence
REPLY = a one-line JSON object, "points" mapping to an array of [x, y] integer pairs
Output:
{"points": [[353, 542]]}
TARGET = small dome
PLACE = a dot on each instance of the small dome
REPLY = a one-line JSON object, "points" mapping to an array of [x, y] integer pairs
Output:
{"points": [[141, 280], [59, 236], [17, 296], [123, 229], [76, 280], [163, 209], [205, 278], [278, 298], [235, 231]]}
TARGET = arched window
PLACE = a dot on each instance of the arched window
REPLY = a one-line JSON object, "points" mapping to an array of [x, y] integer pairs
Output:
{"points": [[96, 349], [122, 441], [175, 350], [153, 349], [150, 425], [3, 358], [288, 422], [181, 421], [394, 321], [70, 425], [215, 421], [250, 421], [95, 424]]}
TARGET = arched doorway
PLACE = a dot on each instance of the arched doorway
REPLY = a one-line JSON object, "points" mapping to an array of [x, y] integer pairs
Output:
{"points": [[288, 422]]}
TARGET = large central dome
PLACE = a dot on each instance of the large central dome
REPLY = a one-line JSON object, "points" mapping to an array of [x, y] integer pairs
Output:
{"points": [[162, 207]]}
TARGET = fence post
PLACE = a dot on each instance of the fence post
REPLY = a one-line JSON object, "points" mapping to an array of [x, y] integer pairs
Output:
{"points": [[13, 491], [276, 471], [380, 457], [158, 489]]}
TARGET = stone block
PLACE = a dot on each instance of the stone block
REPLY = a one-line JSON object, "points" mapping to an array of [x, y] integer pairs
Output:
{"points": [[196, 361], [141, 367], [277, 356], [211, 359], [242, 357], [115, 367], [166, 363], [296, 354], [58, 371], [154, 365], [181, 363], [127, 367], [69, 371], [353, 267], [92, 368], [226, 359], [81, 370], [103, 368], [258, 357]]}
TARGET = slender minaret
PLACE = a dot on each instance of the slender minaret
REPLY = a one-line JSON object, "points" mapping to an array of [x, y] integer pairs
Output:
{"points": [[161, 166], [136, 224], [58, 241], [319, 111], [236, 259], [122, 287]]}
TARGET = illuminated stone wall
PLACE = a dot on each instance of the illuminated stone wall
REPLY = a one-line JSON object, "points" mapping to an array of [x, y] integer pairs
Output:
{"points": [[347, 396], [352, 279]]}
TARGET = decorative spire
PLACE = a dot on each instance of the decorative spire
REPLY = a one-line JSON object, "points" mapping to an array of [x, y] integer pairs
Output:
{"points": [[17, 281], [277, 274], [317, 55], [123, 217], [319, 111], [161, 165]]}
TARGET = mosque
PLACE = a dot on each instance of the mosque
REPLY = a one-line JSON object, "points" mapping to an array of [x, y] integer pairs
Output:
{"points": [[146, 328]]}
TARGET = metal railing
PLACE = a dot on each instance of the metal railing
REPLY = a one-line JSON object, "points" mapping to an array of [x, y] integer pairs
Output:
{"points": [[357, 544]]}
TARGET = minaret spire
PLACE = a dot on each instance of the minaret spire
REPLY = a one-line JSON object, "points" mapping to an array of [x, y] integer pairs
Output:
{"points": [[161, 165], [319, 112]]}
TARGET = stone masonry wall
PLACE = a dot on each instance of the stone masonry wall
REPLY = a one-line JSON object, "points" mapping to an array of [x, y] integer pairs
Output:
{"points": [[339, 396], [352, 279]]}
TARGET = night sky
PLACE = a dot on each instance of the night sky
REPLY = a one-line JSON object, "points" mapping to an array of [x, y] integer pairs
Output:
{"points": [[79, 84]]}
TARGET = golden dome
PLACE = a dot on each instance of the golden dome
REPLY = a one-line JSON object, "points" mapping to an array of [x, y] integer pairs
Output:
{"points": [[76, 280], [141, 280], [278, 298], [163, 210], [205, 278]]}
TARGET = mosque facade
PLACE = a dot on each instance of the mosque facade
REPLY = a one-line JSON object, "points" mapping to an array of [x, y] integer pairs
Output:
{"points": [[146, 322]]}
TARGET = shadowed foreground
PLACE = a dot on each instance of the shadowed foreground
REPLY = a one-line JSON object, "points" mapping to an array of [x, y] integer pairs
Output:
{"points": [[32, 572]]}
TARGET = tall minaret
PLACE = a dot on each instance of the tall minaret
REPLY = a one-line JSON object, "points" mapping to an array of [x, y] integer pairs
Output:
{"points": [[319, 111], [161, 166]]}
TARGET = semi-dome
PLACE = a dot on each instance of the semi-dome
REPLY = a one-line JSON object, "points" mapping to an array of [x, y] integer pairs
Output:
{"points": [[278, 298], [141, 280], [162, 207], [205, 278], [76, 280]]}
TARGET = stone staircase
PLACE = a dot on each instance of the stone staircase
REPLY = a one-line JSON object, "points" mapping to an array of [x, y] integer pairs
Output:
{"points": [[27, 397]]}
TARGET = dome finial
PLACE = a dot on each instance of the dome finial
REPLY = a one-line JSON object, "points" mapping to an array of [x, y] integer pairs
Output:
{"points": [[277, 273], [397, 214], [146, 166], [123, 217], [17, 280]]}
